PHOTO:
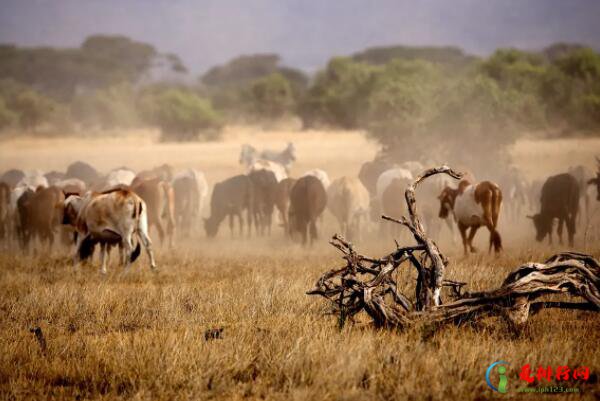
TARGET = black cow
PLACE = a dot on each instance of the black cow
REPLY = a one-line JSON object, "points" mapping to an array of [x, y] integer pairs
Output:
{"points": [[560, 199], [230, 198], [308, 199], [265, 186]]}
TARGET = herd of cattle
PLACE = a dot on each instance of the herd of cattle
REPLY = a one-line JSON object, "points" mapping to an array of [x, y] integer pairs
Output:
{"points": [[85, 208]]}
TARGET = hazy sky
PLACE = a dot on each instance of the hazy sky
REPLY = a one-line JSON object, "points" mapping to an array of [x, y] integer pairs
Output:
{"points": [[305, 32]]}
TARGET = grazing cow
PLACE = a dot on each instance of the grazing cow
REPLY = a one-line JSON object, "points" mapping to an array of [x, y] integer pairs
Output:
{"points": [[159, 199], [249, 155], [321, 175], [274, 167], [265, 185], [308, 199], [4, 210], [282, 200], [12, 177], [473, 206], [348, 201], [108, 218], [230, 198], [163, 172], [370, 172], [40, 214], [559, 199], [190, 188], [84, 172]]}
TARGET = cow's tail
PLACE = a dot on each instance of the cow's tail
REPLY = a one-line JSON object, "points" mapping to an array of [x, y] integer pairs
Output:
{"points": [[496, 205]]}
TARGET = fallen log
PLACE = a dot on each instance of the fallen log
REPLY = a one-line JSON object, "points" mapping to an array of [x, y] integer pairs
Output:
{"points": [[368, 284]]}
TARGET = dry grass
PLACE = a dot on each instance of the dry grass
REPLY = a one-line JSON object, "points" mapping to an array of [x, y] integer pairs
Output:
{"points": [[141, 335]]}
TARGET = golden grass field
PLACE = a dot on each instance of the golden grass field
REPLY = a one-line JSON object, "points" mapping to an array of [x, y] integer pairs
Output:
{"points": [[140, 335]]}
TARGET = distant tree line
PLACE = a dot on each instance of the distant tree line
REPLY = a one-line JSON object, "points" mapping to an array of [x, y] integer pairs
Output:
{"points": [[408, 98]]}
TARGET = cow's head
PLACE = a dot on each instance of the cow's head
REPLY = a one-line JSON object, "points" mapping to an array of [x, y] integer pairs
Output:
{"points": [[71, 209], [447, 199], [211, 227], [542, 224]]}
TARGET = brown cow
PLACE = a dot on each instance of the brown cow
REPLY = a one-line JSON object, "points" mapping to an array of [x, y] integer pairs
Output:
{"points": [[282, 200], [108, 218], [308, 199], [40, 214], [160, 200], [473, 206]]}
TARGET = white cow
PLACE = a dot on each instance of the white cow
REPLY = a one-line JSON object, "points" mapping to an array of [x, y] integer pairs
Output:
{"points": [[109, 219], [386, 178], [348, 201]]}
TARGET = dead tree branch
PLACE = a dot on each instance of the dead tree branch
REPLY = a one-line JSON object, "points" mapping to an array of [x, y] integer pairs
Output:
{"points": [[368, 284]]}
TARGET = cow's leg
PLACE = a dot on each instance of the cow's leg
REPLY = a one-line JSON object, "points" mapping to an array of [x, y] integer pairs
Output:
{"points": [[145, 239], [241, 223], [472, 233], [571, 229], [463, 233], [313, 230], [103, 257], [231, 224], [161, 232], [561, 221]]}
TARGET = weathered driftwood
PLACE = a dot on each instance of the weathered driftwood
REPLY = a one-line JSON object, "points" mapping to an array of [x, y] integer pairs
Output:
{"points": [[368, 284]]}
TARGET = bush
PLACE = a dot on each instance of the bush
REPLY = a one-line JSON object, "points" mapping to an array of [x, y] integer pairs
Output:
{"points": [[181, 115], [113, 107]]}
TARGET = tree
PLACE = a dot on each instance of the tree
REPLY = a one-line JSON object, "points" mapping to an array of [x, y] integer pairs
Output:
{"points": [[32, 108], [181, 115], [339, 94], [271, 96], [7, 116]]}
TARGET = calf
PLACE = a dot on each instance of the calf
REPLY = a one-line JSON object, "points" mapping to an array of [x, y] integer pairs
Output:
{"points": [[559, 199]]}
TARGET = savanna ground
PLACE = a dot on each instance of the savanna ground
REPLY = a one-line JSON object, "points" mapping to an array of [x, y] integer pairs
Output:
{"points": [[141, 335]]}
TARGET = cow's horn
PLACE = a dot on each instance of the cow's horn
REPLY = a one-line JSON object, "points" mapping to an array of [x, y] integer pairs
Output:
{"points": [[529, 216]]}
